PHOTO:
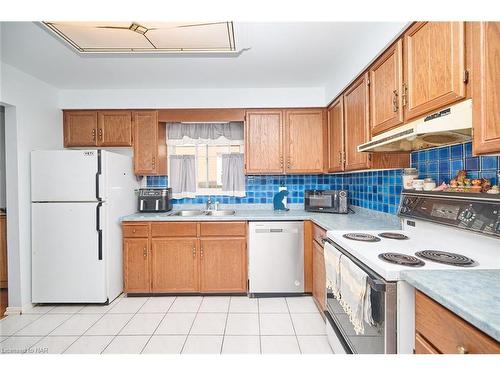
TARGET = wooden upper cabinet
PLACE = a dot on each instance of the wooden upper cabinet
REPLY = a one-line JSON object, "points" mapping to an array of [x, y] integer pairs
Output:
{"points": [[386, 79], [150, 148], [305, 136], [174, 265], [356, 124], [434, 66], [336, 136], [80, 128], [136, 276], [223, 265], [114, 128], [264, 141], [486, 87]]}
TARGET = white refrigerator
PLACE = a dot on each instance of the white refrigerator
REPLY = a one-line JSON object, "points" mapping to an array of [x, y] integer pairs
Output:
{"points": [[77, 199]]}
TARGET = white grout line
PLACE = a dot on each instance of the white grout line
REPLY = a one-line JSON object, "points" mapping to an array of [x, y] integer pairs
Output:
{"points": [[156, 329], [192, 324], [293, 326]]}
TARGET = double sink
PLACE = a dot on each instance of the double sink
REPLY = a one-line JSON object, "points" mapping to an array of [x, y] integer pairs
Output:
{"points": [[204, 213]]}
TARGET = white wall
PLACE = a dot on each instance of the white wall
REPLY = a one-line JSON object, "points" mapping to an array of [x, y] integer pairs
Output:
{"points": [[32, 121], [194, 98], [360, 57]]}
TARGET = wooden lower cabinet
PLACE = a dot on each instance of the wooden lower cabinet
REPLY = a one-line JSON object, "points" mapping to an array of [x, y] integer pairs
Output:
{"points": [[438, 330], [319, 276], [3, 252], [136, 256], [185, 257], [174, 265], [223, 265]]}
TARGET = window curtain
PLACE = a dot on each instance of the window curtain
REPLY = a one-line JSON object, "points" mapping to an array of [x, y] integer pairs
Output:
{"points": [[206, 133], [182, 176], [233, 175]]}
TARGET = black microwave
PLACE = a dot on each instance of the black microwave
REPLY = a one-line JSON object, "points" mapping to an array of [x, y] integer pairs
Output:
{"points": [[332, 201]]}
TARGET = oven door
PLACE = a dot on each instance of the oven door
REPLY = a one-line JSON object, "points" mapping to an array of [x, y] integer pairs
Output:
{"points": [[378, 339]]}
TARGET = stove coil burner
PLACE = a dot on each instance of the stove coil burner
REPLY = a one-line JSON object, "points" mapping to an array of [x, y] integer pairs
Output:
{"points": [[365, 237], [444, 257], [393, 236], [401, 259]]}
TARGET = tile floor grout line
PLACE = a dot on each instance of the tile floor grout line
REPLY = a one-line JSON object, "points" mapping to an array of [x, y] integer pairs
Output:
{"points": [[128, 321], [258, 318], [190, 328], [23, 327], [225, 326], [156, 329], [293, 326]]}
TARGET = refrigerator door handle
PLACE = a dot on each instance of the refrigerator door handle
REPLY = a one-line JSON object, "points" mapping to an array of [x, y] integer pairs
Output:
{"points": [[98, 173], [99, 231]]}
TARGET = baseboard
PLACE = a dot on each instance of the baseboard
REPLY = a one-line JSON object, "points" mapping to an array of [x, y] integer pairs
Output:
{"points": [[16, 310]]}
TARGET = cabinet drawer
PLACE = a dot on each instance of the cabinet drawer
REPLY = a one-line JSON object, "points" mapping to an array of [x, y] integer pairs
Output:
{"points": [[135, 230], [318, 234], [238, 228], [174, 229], [447, 332]]}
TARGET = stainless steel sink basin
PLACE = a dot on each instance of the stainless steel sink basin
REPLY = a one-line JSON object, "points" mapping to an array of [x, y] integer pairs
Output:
{"points": [[221, 213], [189, 213]]}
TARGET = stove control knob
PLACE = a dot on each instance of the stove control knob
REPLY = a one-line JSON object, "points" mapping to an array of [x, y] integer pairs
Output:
{"points": [[467, 215]]}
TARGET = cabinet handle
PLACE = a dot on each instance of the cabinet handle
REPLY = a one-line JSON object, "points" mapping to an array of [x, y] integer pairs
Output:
{"points": [[462, 350], [395, 101], [145, 253], [405, 94], [288, 163], [201, 252], [100, 134], [340, 157], [194, 252], [281, 162], [153, 163], [93, 134], [133, 230]]}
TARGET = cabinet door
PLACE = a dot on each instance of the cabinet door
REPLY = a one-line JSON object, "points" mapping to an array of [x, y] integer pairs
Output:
{"points": [[3, 252], [356, 124], [304, 139], [80, 128], [223, 265], [114, 128], [386, 78], [174, 265], [264, 142], [136, 274], [434, 58], [319, 276], [486, 86], [145, 142], [336, 136]]}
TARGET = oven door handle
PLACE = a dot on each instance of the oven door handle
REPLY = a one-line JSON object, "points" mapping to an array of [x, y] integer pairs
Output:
{"points": [[375, 282]]}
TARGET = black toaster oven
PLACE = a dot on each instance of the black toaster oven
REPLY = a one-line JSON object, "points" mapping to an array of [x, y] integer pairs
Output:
{"points": [[332, 201]]}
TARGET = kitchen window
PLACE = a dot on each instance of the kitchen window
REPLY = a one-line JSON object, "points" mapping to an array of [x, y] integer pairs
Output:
{"points": [[205, 159]]}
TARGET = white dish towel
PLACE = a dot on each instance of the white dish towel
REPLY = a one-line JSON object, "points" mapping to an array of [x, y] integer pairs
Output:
{"points": [[355, 295], [332, 269]]}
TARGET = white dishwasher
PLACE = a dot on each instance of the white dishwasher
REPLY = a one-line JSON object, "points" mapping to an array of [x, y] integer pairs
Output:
{"points": [[276, 257]]}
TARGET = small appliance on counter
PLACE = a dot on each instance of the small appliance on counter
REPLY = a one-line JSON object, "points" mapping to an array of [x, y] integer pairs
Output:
{"points": [[331, 201], [155, 200]]}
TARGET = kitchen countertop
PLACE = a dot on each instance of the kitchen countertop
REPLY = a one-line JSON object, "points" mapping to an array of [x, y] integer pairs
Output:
{"points": [[361, 219], [474, 295]]}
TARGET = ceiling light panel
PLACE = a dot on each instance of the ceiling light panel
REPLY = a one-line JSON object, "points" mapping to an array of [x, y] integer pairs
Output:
{"points": [[163, 37]]}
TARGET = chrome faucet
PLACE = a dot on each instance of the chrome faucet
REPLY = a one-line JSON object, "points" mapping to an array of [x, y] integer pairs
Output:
{"points": [[209, 205]]}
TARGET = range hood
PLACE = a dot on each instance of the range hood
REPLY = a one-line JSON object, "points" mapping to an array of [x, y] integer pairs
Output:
{"points": [[448, 126]]}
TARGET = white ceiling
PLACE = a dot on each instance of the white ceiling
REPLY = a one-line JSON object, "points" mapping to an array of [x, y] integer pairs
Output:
{"points": [[280, 55]]}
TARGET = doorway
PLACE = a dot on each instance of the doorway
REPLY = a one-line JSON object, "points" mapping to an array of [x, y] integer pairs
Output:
{"points": [[3, 220]]}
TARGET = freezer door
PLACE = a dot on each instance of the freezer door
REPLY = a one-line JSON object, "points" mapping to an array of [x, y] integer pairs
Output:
{"points": [[67, 264], [64, 175]]}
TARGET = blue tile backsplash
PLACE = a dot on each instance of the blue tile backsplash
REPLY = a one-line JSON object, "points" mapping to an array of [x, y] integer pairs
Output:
{"points": [[376, 190], [442, 164]]}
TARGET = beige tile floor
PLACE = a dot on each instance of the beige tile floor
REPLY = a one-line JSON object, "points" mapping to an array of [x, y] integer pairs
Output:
{"points": [[175, 325]]}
